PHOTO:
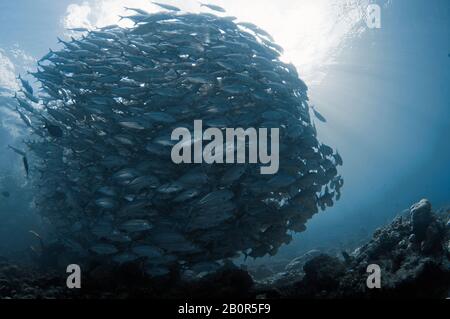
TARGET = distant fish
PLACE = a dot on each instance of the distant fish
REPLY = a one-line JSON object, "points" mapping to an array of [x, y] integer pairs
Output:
{"points": [[25, 165], [26, 85], [280, 181], [326, 150], [79, 29], [338, 159], [257, 30], [24, 158], [136, 225], [24, 118], [104, 249], [105, 203], [29, 96], [24, 104], [46, 57], [166, 6], [319, 116], [16, 150], [213, 7], [138, 11], [147, 251], [68, 45], [124, 258], [131, 125], [6, 194], [39, 238], [248, 25], [160, 117]]}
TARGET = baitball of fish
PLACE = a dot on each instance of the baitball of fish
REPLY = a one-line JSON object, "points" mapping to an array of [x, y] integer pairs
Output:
{"points": [[101, 142]]}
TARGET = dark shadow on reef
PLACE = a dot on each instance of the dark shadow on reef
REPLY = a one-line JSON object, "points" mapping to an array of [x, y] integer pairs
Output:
{"points": [[413, 253]]}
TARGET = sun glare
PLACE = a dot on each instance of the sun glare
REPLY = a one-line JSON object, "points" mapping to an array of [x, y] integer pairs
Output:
{"points": [[310, 31]]}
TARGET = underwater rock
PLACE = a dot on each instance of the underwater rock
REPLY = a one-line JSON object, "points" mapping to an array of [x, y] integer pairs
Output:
{"points": [[261, 272], [23, 282], [410, 268], [421, 216], [227, 283], [322, 273], [291, 272], [278, 280], [296, 265]]}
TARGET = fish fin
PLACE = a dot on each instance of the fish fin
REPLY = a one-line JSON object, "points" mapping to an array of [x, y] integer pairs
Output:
{"points": [[17, 150]]}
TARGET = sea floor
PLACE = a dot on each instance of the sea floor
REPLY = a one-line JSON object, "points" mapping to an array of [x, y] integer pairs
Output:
{"points": [[412, 253]]}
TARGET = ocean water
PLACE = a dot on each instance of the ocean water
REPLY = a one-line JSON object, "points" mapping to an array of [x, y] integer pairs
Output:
{"points": [[388, 103]]}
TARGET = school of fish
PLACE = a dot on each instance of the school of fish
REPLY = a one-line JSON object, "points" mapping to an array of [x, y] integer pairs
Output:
{"points": [[98, 153]]}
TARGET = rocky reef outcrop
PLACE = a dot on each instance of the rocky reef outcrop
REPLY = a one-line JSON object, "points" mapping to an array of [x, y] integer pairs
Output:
{"points": [[412, 252]]}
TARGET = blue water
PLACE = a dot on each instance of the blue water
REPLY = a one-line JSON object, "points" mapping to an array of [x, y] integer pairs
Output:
{"points": [[388, 104]]}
